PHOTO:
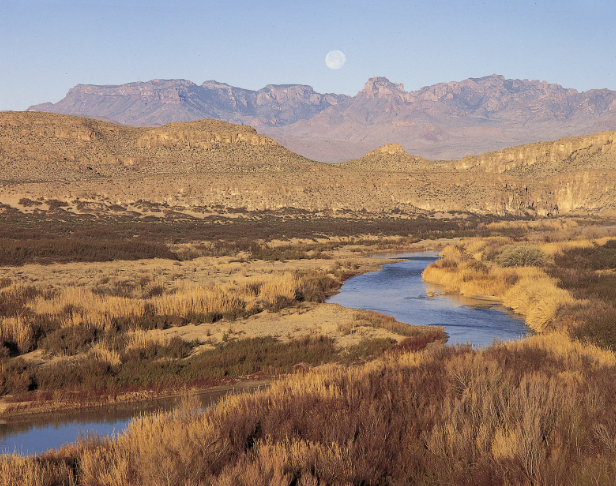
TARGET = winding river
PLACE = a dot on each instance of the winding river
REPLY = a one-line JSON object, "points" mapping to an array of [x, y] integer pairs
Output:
{"points": [[397, 290]]}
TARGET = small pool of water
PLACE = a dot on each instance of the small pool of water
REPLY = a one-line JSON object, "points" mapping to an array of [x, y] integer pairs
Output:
{"points": [[398, 290]]}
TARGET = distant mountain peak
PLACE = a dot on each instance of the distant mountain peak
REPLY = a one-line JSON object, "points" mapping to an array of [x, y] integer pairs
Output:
{"points": [[380, 87]]}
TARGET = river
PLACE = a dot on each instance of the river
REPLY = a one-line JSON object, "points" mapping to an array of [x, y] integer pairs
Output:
{"points": [[33, 434], [397, 290]]}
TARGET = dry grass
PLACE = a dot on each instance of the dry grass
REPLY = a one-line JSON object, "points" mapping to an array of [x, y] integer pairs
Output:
{"points": [[571, 291], [17, 330], [133, 300], [364, 318], [455, 416], [557, 225], [475, 278], [528, 290], [539, 299], [99, 329]]}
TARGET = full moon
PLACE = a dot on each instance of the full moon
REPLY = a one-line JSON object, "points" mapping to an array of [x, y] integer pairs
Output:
{"points": [[335, 59]]}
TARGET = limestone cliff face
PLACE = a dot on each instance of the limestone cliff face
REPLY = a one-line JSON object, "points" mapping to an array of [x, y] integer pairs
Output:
{"points": [[203, 135], [550, 154], [17, 126]]}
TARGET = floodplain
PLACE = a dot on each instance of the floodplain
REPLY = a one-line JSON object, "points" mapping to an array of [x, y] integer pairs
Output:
{"points": [[356, 397]]}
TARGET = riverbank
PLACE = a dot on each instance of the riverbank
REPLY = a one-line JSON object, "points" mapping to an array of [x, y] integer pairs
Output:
{"points": [[307, 333], [451, 415], [533, 411], [399, 290], [566, 286]]}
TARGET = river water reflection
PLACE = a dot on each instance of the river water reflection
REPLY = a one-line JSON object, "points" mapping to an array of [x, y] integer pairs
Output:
{"points": [[399, 291]]}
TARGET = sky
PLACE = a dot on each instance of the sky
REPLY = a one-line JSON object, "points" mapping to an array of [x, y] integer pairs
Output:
{"points": [[49, 46]]}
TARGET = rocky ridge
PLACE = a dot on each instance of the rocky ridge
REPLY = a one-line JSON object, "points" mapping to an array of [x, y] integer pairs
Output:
{"points": [[205, 167], [158, 102]]}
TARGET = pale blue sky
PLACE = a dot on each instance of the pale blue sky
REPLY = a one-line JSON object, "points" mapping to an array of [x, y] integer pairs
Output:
{"points": [[48, 46]]}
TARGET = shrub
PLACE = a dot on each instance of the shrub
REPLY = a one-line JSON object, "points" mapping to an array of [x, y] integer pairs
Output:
{"points": [[598, 326], [16, 376], [593, 258], [68, 340], [520, 256]]}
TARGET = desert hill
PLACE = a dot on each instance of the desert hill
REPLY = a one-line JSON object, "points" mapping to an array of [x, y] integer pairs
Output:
{"points": [[443, 121], [390, 158], [193, 169], [47, 147], [592, 152]]}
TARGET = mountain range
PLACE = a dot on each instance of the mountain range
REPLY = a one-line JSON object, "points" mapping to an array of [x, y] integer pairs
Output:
{"points": [[443, 121]]}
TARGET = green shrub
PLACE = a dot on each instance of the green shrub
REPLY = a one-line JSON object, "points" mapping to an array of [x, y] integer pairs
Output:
{"points": [[520, 256]]}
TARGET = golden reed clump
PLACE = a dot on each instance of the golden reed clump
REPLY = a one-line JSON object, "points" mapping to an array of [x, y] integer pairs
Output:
{"points": [[101, 308], [471, 269]]}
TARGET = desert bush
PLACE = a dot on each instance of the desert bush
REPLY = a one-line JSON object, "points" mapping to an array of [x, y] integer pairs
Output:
{"points": [[17, 333], [56, 204], [73, 249], [87, 373], [370, 348], [16, 377], [596, 257], [596, 324], [383, 321], [520, 256], [174, 348], [68, 341], [453, 417], [14, 298], [538, 299], [27, 203]]}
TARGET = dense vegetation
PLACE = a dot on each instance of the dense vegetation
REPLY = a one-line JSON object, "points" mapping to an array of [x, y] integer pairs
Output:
{"points": [[568, 286], [160, 367], [535, 412], [69, 237]]}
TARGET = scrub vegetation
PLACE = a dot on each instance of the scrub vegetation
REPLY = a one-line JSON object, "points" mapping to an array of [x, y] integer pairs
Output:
{"points": [[77, 334], [567, 286], [388, 408], [532, 412]]}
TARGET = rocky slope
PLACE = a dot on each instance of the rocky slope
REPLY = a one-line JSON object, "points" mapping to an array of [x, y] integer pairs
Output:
{"points": [[45, 147], [211, 167], [443, 121]]}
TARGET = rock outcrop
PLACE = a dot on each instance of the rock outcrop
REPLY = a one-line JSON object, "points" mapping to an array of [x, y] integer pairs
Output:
{"points": [[596, 151]]}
